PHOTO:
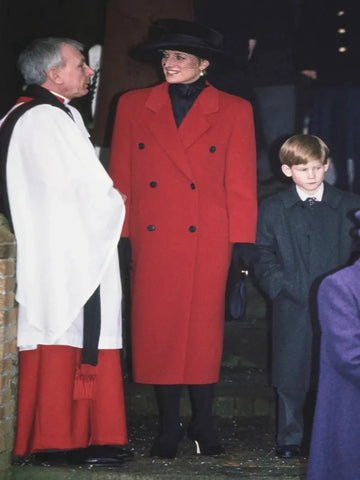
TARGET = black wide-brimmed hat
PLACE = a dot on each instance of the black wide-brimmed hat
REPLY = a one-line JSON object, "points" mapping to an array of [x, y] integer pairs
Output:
{"points": [[182, 35]]}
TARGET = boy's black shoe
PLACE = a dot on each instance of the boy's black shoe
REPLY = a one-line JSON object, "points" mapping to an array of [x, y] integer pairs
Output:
{"points": [[288, 451]]}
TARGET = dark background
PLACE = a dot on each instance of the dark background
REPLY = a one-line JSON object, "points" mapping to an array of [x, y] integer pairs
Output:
{"points": [[115, 24], [21, 21]]}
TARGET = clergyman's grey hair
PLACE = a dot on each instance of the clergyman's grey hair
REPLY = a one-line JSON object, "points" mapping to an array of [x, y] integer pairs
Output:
{"points": [[42, 54]]}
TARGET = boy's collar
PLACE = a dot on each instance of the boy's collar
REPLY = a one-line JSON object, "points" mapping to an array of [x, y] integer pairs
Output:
{"points": [[332, 196], [318, 195]]}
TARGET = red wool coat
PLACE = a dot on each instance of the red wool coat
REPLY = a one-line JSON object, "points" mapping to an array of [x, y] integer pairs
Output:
{"points": [[191, 192]]}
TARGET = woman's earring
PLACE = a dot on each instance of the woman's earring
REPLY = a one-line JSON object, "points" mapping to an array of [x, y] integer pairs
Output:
{"points": [[202, 73]]}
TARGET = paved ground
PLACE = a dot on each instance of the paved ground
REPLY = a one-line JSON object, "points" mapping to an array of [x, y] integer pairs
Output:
{"points": [[249, 455]]}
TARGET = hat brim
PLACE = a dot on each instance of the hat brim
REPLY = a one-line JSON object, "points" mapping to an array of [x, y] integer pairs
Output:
{"points": [[151, 53]]}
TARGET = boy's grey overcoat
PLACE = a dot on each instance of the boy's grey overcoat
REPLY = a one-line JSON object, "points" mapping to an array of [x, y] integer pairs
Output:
{"points": [[298, 245]]}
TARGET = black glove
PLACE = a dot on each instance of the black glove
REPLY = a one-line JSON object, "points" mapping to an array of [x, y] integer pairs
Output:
{"points": [[244, 253]]}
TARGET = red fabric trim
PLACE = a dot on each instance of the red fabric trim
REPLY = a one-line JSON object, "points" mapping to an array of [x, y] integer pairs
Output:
{"points": [[49, 417], [25, 99]]}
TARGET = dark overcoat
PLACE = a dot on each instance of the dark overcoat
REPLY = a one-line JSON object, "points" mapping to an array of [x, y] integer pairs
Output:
{"points": [[191, 193], [234, 20], [272, 61], [329, 41], [335, 443], [298, 246]]}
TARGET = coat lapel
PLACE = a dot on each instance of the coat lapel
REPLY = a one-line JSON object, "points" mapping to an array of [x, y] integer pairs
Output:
{"points": [[196, 122], [161, 122]]}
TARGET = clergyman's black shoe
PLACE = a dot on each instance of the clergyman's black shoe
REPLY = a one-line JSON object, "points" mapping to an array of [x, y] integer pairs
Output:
{"points": [[288, 451], [109, 451], [50, 458], [98, 456], [95, 455]]}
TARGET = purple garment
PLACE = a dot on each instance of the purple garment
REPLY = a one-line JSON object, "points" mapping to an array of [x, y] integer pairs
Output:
{"points": [[335, 443]]}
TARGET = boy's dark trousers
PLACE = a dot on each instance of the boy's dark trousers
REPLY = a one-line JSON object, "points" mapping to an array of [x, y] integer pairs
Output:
{"points": [[290, 412]]}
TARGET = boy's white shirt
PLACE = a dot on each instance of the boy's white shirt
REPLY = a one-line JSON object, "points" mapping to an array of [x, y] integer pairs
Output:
{"points": [[317, 195]]}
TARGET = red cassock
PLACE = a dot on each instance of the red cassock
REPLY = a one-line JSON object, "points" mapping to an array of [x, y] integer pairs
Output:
{"points": [[191, 193]]}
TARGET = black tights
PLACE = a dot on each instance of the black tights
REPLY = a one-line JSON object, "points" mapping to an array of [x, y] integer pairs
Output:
{"points": [[168, 400]]}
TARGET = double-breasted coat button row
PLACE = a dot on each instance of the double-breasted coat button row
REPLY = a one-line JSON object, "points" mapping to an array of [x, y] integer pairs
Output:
{"points": [[141, 146], [151, 228], [153, 184]]}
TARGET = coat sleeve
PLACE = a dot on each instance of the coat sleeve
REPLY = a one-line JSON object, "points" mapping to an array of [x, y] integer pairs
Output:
{"points": [[340, 325], [120, 155], [240, 179], [267, 268]]}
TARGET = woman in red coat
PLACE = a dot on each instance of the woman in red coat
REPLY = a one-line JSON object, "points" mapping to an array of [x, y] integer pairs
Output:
{"points": [[183, 153]]}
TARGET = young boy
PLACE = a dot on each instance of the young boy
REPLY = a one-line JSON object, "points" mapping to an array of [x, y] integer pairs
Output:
{"points": [[303, 234]]}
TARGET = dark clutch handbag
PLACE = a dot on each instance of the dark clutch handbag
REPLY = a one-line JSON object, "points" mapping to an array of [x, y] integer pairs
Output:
{"points": [[235, 295]]}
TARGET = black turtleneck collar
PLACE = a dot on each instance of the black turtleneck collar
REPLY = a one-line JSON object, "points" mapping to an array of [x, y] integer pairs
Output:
{"points": [[183, 95], [187, 89]]}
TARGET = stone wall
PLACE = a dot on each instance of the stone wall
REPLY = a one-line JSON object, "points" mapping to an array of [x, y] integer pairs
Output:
{"points": [[8, 350]]}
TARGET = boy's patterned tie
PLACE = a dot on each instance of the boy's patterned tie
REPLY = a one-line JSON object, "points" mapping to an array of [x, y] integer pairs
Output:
{"points": [[310, 202]]}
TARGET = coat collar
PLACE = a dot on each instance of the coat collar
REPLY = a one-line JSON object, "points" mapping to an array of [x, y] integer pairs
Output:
{"points": [[197, 121], [332, 196], [208, 99], [159, 117]]}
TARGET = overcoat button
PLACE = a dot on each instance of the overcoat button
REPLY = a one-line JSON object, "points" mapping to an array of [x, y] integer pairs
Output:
{"points": [[151, 228], [192, 228], [153, 184], [141, 146], [192, 186], [212, 149]]}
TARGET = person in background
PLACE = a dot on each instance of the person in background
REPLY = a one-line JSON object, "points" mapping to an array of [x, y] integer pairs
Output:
{"points": [[273, 75], [67, 218], [260, 36], [334, 451], [234, 19], [302, 235], [329, 57], [183, 153]]}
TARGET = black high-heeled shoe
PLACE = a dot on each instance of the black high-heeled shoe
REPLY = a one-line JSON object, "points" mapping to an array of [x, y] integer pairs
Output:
{"points": [[206, 443], [204, 448], [166, 444]]}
